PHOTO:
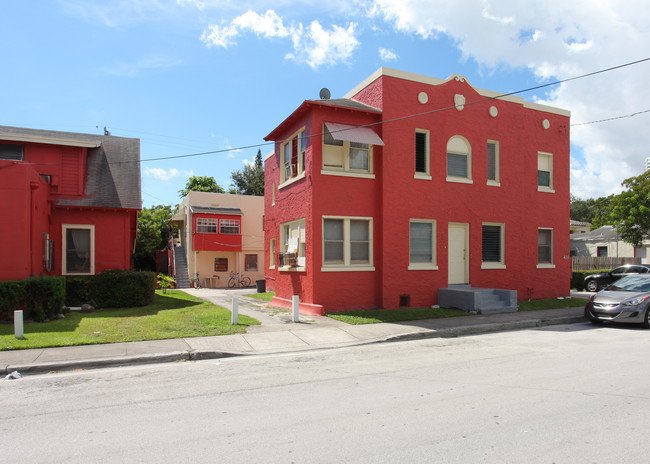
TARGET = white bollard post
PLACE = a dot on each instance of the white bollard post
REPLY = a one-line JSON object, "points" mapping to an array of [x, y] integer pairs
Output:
{"points": [[295, 304], [18, 324], [234, 320]]}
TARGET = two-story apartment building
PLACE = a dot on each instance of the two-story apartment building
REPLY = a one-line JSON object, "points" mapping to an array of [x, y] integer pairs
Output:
{"points": [[69, 201], [219, 233], [410, 184]]}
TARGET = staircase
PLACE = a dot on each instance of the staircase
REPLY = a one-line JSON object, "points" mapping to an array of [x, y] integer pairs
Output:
{"points": [[182, 276], [480, 300]]}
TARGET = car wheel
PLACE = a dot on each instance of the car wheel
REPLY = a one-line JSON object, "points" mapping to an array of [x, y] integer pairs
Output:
{"points": [[646, 318], [592, 286]]}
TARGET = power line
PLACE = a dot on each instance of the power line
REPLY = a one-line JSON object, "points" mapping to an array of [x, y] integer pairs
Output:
{"points": [[610, 119]]}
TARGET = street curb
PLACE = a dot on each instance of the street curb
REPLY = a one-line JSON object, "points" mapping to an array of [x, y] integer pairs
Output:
{"points": [[200, 355], [485, 328]]}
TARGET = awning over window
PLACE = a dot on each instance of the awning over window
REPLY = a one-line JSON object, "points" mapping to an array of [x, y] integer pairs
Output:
{"points": [[353, 133]]}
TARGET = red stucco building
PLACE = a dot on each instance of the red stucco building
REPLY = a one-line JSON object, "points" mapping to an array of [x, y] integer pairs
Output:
{"points": [[69, 202], [410, 184]]}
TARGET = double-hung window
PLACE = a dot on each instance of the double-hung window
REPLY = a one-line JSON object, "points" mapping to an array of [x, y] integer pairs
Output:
{"points": [[292, 245], [293, 156], [459, 160], [545, 248], [229, 226], [78, 249], [347, 244], [545, 172], [492, 242], [347, 150], [206, 225], [493, 163], [422, 244], [422, 159]]}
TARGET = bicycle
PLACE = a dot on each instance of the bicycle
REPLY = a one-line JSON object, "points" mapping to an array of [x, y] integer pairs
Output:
{"points": [[196, 281], [238, 280]]}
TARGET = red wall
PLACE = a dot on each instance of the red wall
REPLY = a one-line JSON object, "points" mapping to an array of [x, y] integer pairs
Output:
{"points": [[216, 242], [394, 197]]}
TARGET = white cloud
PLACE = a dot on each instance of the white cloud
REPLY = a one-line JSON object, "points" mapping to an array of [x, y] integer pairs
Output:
{"points": [[387, 55], [557, 39], [313, 44], [200, 5], [166, 174], [149, 62]]}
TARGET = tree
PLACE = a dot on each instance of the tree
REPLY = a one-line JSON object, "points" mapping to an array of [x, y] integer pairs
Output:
{"points": [[201, 184], [250, 180], [630, 209], [153, 235], [594, 211]]}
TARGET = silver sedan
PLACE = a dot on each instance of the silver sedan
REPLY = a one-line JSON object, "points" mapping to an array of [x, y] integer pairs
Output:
{"points": [[626, 300]]}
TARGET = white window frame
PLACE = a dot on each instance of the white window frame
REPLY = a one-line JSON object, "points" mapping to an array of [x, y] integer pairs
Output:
{"points": [[272, 253], [549, 265], [453, 149], [426, 175], [229, 223], [501, 263], [347, 265], [496, 182], [344, 169], [298, 169], [297, 228], [64, 248], [203, 225], [545, 160], [433, 265]]}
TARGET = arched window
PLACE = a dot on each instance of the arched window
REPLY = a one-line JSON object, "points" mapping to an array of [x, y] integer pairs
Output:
{"points": [[459, 160]]}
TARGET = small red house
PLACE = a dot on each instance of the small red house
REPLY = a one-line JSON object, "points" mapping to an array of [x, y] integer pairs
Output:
{"points": [[411, 184], [69, 202]]}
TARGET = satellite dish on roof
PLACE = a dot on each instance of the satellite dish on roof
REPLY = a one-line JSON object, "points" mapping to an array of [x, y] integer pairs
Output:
{"points": [[325, 94]]}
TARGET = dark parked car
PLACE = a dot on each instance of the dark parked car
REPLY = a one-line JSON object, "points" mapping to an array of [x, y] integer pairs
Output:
{"points": [[626, 300], [595, 282]]}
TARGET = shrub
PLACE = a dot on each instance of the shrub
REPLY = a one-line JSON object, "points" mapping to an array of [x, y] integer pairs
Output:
{"points": [[112, 289], [578, 278], [39, 297]]}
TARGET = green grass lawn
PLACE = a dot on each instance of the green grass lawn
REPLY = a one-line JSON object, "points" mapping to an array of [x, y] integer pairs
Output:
{"points": [[374, 316], [266, 296], [174, 314]]}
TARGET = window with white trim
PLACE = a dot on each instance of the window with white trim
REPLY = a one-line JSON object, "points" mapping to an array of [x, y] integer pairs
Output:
{"points": [[272, 253], [78, 249], [422, 156], [544, 247], [206, 225], [492, 242], [344, 155], [422, 244], [493, 162], [347, 243], [293, 156], [292, 245], [229, 226], [545, 172], [459, 160]]}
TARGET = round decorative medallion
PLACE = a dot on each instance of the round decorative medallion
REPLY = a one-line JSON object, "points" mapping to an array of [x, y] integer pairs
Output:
{"points": [[546, 123], [494, 111], [423, 97]]}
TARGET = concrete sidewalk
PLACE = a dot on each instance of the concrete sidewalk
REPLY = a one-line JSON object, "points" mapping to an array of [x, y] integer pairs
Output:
{"points": [[276, 334]]}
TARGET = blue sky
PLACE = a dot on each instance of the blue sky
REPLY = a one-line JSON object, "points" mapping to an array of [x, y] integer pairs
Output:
{"points": [[189, 76]]}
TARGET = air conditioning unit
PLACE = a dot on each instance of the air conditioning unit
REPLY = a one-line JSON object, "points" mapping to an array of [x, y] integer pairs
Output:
{"points": [[290, 170], [288, 259]]}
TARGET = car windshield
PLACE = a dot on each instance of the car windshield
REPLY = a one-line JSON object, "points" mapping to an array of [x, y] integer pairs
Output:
{"points": [[633, 283]]}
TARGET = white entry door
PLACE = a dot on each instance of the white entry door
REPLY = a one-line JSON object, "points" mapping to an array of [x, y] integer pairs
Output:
{"points": [[458, 245]]}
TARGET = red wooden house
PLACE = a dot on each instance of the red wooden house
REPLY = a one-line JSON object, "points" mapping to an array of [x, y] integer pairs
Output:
{"points": [[69, 202], [409, 185]]}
